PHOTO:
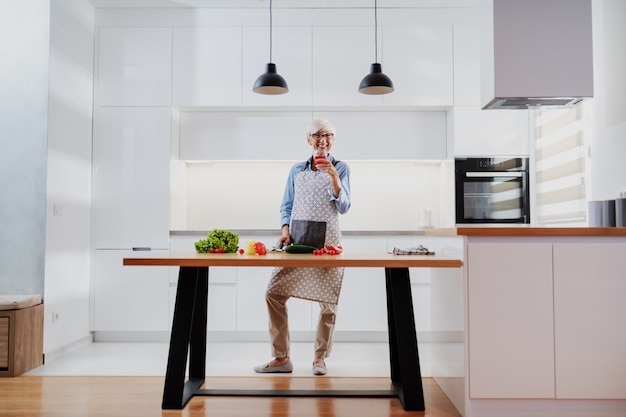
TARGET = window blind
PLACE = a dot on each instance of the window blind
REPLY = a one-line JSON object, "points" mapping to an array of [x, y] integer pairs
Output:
{"points": [[560, 165]]}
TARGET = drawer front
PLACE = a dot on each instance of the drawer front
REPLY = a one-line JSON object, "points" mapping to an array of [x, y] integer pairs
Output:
{"points": [[4, 343]]}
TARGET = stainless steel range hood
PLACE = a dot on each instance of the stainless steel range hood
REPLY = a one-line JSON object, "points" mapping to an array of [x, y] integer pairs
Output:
{"points": [[526, 102], [536, 53]]}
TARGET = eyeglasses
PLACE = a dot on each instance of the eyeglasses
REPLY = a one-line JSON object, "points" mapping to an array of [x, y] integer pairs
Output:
{"points": [[319, 136]]}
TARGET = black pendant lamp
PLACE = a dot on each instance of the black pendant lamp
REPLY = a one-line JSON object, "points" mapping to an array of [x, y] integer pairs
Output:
{"points": [[270, 82], [376, 82]]}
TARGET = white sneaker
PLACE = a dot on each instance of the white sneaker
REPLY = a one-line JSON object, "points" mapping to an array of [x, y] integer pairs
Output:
{"points": [[319, 368], [267, 369]]}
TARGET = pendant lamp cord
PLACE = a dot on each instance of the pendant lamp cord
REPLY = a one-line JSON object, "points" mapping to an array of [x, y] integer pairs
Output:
{"points": [[270, 30], [375, 31]]}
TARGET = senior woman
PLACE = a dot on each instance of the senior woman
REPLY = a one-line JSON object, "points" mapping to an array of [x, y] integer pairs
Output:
{"points": [[317, 191]]}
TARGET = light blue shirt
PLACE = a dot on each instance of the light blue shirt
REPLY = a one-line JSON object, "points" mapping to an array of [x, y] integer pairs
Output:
{"points": [[342, 201]]}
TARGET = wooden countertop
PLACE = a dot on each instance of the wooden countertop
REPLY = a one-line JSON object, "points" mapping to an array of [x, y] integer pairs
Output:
{"points": [[346, 259], [527, 231]]}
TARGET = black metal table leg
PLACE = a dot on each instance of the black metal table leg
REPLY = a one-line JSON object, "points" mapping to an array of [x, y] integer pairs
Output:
{"points": [[197, 344], [188, 336], [406, 375]]}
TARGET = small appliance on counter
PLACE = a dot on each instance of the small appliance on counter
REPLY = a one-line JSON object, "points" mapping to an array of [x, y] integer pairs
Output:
{"points": [[425, 217], [492, 190], [607, 213], [620, 212]]}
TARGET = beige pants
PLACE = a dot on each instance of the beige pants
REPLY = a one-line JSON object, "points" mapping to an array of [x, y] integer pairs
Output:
{"points": [[279, 327]]}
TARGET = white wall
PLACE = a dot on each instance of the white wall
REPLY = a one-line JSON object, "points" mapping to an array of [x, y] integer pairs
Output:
{"points": [[608, 151], [68, 231], [386, 196], [24, 40]]}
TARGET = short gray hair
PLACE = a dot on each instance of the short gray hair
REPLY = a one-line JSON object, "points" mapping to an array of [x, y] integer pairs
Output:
{"points": [[320, 124]]}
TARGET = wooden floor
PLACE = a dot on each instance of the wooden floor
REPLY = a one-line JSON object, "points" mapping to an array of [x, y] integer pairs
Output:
{"points": [[84, 396]]}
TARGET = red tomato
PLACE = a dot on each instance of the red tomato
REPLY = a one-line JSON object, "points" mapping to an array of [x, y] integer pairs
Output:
{"points": [[260, 248]]}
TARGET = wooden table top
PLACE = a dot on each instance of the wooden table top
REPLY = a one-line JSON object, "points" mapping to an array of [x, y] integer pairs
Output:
{"points": [[528, 231], [359, 259]]}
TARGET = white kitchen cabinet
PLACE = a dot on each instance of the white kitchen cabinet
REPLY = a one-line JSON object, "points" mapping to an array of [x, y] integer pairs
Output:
{"points": [[134, 66], [466, 65], [221, 314], [406, 135], [239, 135], [543, 334], [243, 135], [129, 298], [222, 299], [476, 132], [419, 61], [363, 300], [511, 336], [588, 308], [206, 69], [291, 52], [251, 310], [342, 56], [131, 177], [536, 327]]}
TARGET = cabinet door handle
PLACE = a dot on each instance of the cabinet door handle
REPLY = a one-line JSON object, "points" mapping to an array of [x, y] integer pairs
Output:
{"points": [[493, 174], [141, 248]]}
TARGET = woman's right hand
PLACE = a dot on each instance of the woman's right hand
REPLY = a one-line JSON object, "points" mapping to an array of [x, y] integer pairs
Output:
{"points": [[285, 238], [283, 241]]}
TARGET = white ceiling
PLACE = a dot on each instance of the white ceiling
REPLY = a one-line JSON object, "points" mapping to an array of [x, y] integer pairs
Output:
{"points": [[286, 4]]}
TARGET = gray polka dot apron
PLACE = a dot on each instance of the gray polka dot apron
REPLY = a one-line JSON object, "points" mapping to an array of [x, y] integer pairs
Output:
{"points": [[314, 222]]}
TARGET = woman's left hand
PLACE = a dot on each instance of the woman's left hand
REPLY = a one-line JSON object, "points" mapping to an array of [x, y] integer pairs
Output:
{"points": [[326, 166]]}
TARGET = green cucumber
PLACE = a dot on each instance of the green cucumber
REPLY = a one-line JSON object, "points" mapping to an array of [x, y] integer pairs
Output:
{"points": [[292, 248]]}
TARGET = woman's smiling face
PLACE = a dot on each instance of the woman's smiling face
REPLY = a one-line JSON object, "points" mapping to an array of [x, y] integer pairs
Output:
{"points": [[322, 139]]}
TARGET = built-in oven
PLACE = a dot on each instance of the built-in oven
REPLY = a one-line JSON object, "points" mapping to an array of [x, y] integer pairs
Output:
{"points": [[492, 190]]}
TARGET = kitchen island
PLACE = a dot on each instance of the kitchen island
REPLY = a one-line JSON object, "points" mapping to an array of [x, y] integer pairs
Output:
{"points": [[189, 327], [543, 322]]}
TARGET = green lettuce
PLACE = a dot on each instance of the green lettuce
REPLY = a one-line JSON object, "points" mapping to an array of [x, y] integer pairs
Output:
{"points": [[216, 239]]}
